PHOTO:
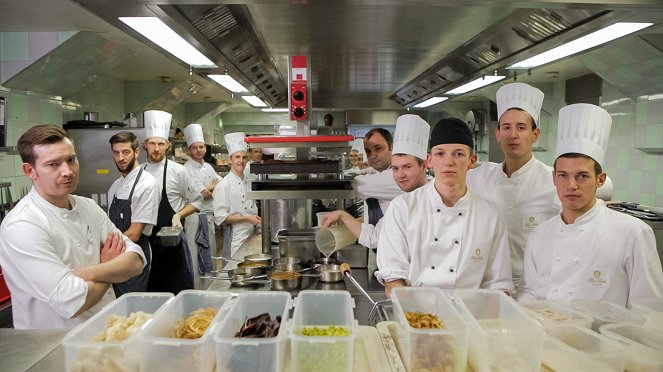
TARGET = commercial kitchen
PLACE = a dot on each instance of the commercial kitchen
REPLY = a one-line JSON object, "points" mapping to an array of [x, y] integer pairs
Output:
{"points": [[308, 78]]}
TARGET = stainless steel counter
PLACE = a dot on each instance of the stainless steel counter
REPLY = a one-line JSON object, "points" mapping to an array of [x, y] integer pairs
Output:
{"points": [[365, 278]]}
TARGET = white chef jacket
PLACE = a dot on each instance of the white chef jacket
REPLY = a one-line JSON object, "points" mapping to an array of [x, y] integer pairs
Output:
{"points": [[379, 185], [429, 244], [603, 255], [41, 245], [201, 176], [144, 201], [525, 200], [230, 198], [369, 234], [179, 187]]}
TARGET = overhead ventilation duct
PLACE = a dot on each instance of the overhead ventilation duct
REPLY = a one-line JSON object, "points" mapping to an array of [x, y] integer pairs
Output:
{"points": [[231, 30], [521, 34]]}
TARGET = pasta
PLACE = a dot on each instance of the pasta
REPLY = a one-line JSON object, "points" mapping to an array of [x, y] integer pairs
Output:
{"points": [[120, 328], [196, 324], [423, 320]]}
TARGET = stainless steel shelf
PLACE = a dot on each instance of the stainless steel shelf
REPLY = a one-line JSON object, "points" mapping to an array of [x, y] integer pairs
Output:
{"points": [[297, 144], [300, 194]]}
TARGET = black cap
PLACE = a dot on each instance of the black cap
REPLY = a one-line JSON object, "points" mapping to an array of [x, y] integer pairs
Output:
{"points": [[451, 130]]}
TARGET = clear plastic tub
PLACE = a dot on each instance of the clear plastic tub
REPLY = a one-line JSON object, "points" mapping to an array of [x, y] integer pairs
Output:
{"points": [[502, 336], [604, 312], [161, 351], [651, 309], [82, 353], [573, 348], [551, 314], [322, 309], [644, 346], [430, 349], [253, 354]]}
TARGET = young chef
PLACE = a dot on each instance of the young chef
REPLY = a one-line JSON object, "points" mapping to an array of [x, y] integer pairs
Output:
{"points": [[408, 164], [133, 202], [200, 226], [442, 234], [171, 269], [521, 186], [59, 251], [379, 188], [255, 156], [588, 251], [238, 214]]}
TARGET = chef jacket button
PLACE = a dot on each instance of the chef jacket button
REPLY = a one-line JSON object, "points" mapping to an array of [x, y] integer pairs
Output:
{"points": [[557, 259], [451, 269], [435, 239], [561, 230], [438, 211], [455, 241], [554, 289], [582, 229], [460, 213], [570, 292], [576, 260], [78, 244], [510, 207], [432, 267]]}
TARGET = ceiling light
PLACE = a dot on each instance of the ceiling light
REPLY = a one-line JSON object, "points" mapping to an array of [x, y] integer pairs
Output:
{"points": [[229, 83], [284, 109], [254, 101], [476, 84], [157, 31], [578, 45], [430, 102]]}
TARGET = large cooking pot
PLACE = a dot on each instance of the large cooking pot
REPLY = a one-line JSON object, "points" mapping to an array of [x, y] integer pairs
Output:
{"points": [[289, 214]]}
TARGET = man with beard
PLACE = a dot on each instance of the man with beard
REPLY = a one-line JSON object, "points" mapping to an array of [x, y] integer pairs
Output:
{"points": [[171, 266], [200, 226], [59, 252], [408, 165], [441, 234], [588, 251], [377, 188], [132, 204], [238, 214]]}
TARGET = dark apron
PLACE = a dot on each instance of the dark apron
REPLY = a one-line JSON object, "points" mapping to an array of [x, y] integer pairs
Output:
{"points": [[374, 213], [169, 272], [120, 213]]}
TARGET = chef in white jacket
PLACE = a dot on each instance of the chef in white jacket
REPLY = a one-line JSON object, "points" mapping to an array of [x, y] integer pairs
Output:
{"points": [[408, 167], [204, 179], [171, 266], [378, 188], [238, 214], [521, 186], [442, 234], [59, 252], [588, 251]]}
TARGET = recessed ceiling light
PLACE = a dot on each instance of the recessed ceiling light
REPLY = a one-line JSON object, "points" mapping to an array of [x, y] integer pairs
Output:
{"points": [[476, 84], [430, 102], [229, 83], [254, 101]]}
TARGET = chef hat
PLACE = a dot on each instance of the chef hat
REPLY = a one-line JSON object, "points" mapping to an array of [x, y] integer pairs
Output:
{"points": [[157, 123], [235, 142], [358, 144], [522, 96], [451, 130], [411, 136], [583, 129], [193, 133]]}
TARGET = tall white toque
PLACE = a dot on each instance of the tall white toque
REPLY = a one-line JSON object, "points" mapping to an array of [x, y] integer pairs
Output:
{"points": [[522, 96], [157, 123], [235, 142], [583, 129], [411, 136], [193, 133], [358, 144]]}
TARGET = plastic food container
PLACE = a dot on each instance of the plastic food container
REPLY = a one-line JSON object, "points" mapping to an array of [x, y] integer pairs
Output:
{"points": [[253, 354], [651, 309], [430, 349], [503, 337], [604, 312], [644, 346], [161, 351], [573, 348], [552, 314], [323, 309], [81, 352]]}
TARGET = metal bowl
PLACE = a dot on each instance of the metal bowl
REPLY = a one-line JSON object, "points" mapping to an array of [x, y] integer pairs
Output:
{"points": [[253, 264], [260, 257], [331, 275], [287, 267]]}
